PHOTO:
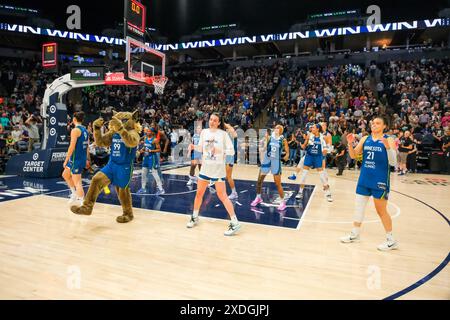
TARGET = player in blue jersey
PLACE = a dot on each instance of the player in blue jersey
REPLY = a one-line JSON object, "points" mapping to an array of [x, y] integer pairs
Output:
{"points": [[230, 161], [76, 158], [196, 157], [316, 148], [150, 162], [379, 154], [299, 168], [271, 163]]}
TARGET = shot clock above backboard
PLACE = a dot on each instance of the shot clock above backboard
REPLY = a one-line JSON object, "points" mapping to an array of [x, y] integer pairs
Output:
{"points": [[135, 19]]}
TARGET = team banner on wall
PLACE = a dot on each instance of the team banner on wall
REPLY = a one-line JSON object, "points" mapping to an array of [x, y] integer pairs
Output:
{"points": [[331, 32]]}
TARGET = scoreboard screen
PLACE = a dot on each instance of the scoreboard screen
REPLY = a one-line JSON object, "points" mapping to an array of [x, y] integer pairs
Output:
{"points": [[87, 73], [135, 13], [49, 55]]}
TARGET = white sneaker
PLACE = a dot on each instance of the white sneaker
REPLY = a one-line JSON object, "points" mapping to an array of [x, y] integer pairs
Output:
{"points": [[388, 245], [191, 181], [299, 195], [79, 201], [193, 222], [233, 196], [350, 238], [232, 229], [73, 198], [329, 198]]}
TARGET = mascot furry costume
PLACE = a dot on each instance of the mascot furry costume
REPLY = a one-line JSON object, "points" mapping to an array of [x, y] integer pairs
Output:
{"points": [[123, 138]]}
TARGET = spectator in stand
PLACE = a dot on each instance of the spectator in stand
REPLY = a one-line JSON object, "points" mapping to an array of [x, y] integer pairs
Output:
{"points": [[33, 132], [10, 145], [2, 141], [446, 120], [293, 146], [438, 133], [17, 135], [446, 149], [4, 121]]}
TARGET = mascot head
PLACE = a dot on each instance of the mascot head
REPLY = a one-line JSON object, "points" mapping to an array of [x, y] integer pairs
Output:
{"points": [[129, 120]]}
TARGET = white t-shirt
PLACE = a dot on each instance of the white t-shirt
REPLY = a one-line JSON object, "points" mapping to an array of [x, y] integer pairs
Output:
{"points": [[215, 146]]}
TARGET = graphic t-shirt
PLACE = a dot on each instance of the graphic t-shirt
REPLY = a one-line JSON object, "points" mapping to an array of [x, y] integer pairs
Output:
{"points": [[215, 146]]}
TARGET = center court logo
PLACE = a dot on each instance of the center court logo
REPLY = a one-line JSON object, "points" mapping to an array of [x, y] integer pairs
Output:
{"points": [[35, 156]]}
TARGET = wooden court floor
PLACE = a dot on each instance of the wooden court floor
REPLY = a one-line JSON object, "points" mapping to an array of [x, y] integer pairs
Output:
{"points": [[48, 253]]}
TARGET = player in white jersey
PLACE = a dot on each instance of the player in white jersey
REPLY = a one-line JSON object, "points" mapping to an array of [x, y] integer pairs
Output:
{"points": [[215, 144]]}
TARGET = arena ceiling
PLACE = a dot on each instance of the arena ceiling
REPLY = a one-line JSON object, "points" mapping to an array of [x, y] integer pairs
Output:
{"points": [[176, 18]]}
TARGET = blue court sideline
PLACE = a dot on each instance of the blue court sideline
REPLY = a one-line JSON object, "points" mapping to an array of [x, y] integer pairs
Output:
{"points": [[179, 198]]}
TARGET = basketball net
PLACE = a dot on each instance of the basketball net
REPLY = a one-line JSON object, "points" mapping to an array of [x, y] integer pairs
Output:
{"points": [[159, 83]]}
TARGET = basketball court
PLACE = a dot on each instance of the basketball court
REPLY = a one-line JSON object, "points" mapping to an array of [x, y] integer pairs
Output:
{"points": [[49, 253]]}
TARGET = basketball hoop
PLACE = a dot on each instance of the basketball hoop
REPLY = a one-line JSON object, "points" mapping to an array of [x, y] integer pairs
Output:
{"points": [[159, 82]]}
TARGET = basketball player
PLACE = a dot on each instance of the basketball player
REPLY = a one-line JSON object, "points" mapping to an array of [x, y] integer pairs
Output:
{"points": [[379, 154], [215, 144], [161, 138], [150, 162], [315, 149], [272, 163], [302, 159], [76, 158], [327, 137], [196, 157], [230, 162]]}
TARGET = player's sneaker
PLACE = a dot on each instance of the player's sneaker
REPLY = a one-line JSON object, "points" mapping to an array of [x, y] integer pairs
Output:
{"points": [[328, 195], [282, 206], [72, 199], [192, 180], [350, 238], [233, 196], [257, 201], [160, 192], [232, 229], [293, 177], [141, 191], [388, 245], [79, 202], [299, 195], [192, 222]]}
